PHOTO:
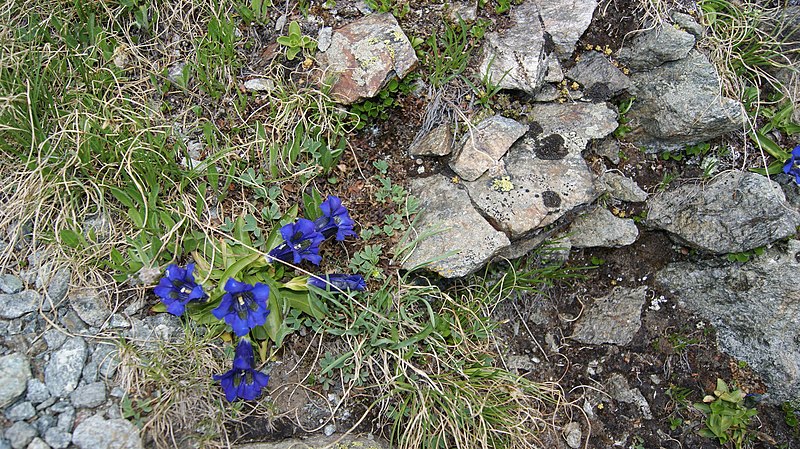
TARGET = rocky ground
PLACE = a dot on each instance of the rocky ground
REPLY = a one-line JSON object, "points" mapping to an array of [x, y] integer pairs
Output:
{"points": [[633, 342]]}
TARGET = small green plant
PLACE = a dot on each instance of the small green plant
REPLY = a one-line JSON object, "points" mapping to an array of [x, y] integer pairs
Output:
{"points": [[136, 410], [666, 180], [398, 8], [727, 416], [296, 41], [377, 108], [253, 11], [448, 54], [745, 255], [623, 129], [790, 417]]}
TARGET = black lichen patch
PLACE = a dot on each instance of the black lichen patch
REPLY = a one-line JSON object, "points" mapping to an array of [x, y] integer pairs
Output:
{"points": [[551, 199], [534, 130], [551, 148]]}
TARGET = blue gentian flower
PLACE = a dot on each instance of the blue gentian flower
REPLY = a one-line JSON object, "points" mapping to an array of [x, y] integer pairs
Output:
{"points": [[177, 288], [341, 281], [243, 306], [243, 381], [792, 166], [335, 219], [300, 241]]}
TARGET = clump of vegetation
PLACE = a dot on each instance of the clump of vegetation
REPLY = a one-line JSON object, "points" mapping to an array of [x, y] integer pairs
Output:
{"points": [[727, 416]]}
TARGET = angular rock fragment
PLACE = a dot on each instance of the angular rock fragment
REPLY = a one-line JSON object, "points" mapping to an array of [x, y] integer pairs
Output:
{"points": [[455, 237], [735, 212], [622, 188], [656, 46], [365, 55], [566, 21], [484, 145], [437, 142], [614, 319], [601, 228], [599, 77]]}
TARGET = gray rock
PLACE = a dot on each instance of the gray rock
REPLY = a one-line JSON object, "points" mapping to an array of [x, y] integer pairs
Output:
{"points": [[601, 228], [484, 145], [517, 58], [102, 365], [554, 74], [656, 46], [259, 85], [154, 329], [607, 148], [466, 11], [63, 371], [455, 237], [4, 444], [62, 406], [38, 443], [755, 309], [735, 212], [613, 319], [320, 441], [54, 338], [72, 322], [546, 94], [543, 176], [66, 419], [97, 433], [20, 434], [10, 283], [688, 24], [599, 77], [89, 395], [37, 391], [14, 305], [566, 21], [437, 142], [118, 321], [572, 434], [90, 306], [619, 389], [15, 370], [44, 422], [58, 285], [324, 38], [57, 438], [622, 188], [679, 103], [365, 55], [21, 411]]}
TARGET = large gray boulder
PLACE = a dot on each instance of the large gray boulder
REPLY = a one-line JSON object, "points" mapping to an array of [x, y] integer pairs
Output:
{"points": [[452, 235], [755, 308], [735, 212], [566, 21], [656, 46], [484, 145], [516, 59], [365, 55], [680, 103]]}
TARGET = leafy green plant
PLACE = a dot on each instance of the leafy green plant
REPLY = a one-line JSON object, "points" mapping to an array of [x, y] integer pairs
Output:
{"points": [[623, 128], [136, 410], [790, 417], [253, 11], [377, 108], [296, 41], [449, 54], [366, 261], [745, 255], [398, 8], [726, 415]]}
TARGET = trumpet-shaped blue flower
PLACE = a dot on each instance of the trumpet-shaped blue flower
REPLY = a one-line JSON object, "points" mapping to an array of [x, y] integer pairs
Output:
{"points": [[335, 219], [300, 241], [177, 288], [243, 381], [243, 306], [341, 281], [792, 166]]}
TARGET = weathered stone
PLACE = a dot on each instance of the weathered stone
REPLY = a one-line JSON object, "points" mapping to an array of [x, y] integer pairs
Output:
{"points": [[598, 76], [57, 438], [154, 329], [98, 433], [484, 145], [15, 370], [656, 46], [554, 72], [566, 21], [736, 212], [679, 103], [601, 228], [437, 142], [365, 55], [547, 93], [37, 391], [10, 283], [260, 85], [324, 38], [14, 305], [66, 419], [19, 412], [607, 148], [89, 395], [517, 58], [102, 365], [58, 285], [572, 435], [38, 443], [63, 371], [622, 188], [755, 308], [20, 434], [466, 11], [454, 236], [319, 442], [688, 24], [613, 319], [90, 306], [619, 389], [543, 176]]}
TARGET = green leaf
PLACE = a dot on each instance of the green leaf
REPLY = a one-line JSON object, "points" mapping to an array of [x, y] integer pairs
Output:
{"points": [[70, 238], [159, 307], [770, 146], [234, 270]]}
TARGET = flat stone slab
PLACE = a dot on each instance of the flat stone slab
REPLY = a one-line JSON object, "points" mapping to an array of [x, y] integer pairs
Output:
{"points": [[656, 46], [613, 319], [566, 21], [365, 55], [516, 59], [736, 212], [320, 442], [601, 228], [455, 238], [484, 145]]}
